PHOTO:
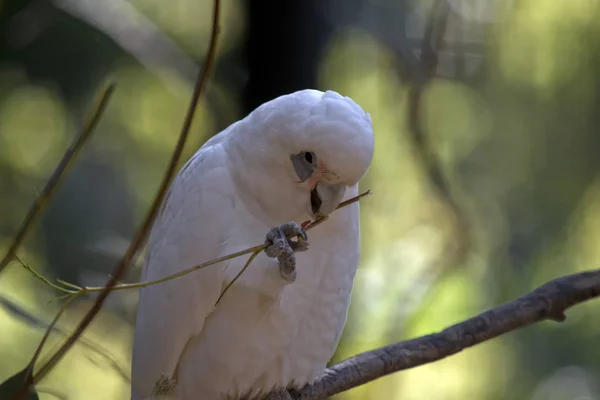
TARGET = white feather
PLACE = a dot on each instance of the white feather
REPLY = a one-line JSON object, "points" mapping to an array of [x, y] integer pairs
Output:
{"points": [[265, 332]]}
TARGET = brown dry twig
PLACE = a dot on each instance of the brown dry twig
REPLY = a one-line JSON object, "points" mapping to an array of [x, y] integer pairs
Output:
{"points": [[308, 225], [142, 231], [59, 173], [548, 302], [430, 47], [70, 290], [73, 292], [96, 351], [459, 241]]}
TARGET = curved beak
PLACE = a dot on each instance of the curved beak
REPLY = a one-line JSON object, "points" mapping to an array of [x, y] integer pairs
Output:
{"points": [[325, 198]]}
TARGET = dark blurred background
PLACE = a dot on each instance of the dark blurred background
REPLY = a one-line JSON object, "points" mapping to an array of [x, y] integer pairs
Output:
{"points": [[485, 175]]}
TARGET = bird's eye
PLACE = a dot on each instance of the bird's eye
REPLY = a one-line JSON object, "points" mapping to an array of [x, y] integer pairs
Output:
{"points": [[309, 157], [305, 163]]}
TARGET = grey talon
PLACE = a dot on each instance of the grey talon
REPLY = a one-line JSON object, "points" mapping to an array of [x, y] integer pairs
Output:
{"points": [[283, 247], [291, 229]]}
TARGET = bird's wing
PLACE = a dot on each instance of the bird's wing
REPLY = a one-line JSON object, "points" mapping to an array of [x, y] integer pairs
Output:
{"points": [[191, 229]]}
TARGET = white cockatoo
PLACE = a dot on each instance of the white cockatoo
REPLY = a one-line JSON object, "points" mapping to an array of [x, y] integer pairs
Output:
{"points": [[293, 159]]}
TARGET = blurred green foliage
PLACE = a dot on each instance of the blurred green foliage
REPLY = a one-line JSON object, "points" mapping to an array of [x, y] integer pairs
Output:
{"points": [[518, 139]]}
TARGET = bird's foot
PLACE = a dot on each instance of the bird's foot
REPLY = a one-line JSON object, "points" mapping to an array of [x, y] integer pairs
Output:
{"points": [[282, 247], [163, 386]]}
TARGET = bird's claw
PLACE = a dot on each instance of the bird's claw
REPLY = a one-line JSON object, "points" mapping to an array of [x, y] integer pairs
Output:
{"points": [[282, 247]]}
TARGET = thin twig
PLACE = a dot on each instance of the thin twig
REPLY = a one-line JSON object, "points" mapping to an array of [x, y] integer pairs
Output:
{"points": [[431, 45], [141, 233], [433, 40], [71, 289], [67, 284], [126, 286], [458, 245], [250, 259], [77, 291], [37, 322], [306, 226], [44, 279], [311, 224], [548, 302], [61, 170], [49, 330]]}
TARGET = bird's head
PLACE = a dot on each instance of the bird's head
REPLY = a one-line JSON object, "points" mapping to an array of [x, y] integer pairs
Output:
{"points": [[309, 147]]}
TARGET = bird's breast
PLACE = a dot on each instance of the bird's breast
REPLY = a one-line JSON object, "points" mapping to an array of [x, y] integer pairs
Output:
{"points": [[266, 332]]}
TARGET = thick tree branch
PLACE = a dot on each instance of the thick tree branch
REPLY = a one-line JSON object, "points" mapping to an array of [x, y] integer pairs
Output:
{"points": [[548, 302]]}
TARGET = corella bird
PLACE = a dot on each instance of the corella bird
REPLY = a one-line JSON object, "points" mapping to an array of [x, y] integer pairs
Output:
{"points": [[293, 159]]}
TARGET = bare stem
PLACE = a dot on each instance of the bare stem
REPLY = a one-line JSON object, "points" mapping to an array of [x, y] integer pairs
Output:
{"points": [[42, 200], [70, 289], [142, 231], [44, 279], [250, 259], [306, 226], [49, 330]]}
